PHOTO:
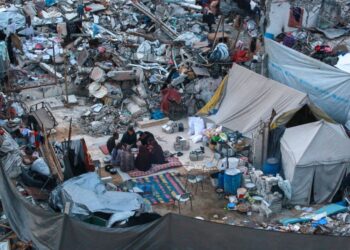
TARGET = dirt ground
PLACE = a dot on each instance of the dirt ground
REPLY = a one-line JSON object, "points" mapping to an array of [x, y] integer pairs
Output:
{"points": [[206, 203]]}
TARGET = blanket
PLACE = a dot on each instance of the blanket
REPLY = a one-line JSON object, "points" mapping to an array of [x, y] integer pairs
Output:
{"points": [[173, 162]]}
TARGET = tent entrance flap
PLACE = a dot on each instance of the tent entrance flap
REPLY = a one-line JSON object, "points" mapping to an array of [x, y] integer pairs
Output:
{"points": [[306, 114]]}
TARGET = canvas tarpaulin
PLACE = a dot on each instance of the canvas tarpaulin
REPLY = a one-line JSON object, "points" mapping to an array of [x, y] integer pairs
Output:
{"points": [[250, 98], [48, 230], [215, 100], [326, 86], [315, 158]]}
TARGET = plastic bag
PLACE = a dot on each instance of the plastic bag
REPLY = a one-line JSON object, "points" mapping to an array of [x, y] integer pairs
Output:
{"points": [[41, 167]]}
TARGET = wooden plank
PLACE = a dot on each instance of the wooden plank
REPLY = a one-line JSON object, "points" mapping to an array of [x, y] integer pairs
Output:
{"points": [[152, 123], [51, 157]]}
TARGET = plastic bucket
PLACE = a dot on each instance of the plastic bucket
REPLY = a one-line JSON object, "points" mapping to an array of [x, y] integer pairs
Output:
{"points": [[271, 167], [221, 180], [232, 181]]}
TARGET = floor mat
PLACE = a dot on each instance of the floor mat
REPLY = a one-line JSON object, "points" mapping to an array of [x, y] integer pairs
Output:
{"points": [[163, 188], [173, 162]]}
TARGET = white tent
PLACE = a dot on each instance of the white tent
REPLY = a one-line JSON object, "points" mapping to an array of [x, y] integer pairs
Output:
{"points": [[315, 158], [249, 98]]}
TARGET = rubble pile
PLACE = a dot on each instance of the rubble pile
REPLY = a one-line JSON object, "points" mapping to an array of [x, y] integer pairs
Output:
{"points": [[123, 53], [100, 120]]}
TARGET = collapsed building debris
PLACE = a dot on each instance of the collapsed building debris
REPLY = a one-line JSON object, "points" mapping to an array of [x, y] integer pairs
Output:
{"points": [[149, 63]]}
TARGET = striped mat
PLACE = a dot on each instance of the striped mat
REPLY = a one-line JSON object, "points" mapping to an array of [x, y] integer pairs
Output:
{"points": [[161, 188]]}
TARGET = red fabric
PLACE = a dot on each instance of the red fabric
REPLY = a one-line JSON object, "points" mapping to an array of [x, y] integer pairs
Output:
{"points": [[39, 46], [292, 22], [240, 56], [323, 48], [88, 8], [12, 112], [36, 139], [89, 165], [169, 94]]}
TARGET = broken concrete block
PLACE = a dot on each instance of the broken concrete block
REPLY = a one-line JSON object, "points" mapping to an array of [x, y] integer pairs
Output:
{"points": [[200, 71], [97, 90], [50, 69], [82, 57], [141, 90], [70, 16], [72, 99], [140, 102], [97, 74], [126, 75], [133, 108]]}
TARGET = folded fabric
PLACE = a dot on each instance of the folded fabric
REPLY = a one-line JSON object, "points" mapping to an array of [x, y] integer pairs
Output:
{"points": [[104, 149]]}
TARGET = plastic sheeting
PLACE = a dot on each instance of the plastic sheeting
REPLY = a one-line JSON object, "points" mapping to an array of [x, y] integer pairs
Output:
{"points": [[4, 59], [87, 194], [40, 166], [12, 13], [220, 53], [10, 156], [344, 62], [326, 86], [189, 38]]}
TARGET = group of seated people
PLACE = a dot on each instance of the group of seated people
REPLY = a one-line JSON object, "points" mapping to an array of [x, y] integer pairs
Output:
{"points": [[127, 158]]}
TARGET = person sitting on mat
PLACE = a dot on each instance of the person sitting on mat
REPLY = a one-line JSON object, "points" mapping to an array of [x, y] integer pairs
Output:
{"points": [[116, 154], [112, 142], [143, 159], [144, 137], [157, 154], [126, 159], [129, 137]]}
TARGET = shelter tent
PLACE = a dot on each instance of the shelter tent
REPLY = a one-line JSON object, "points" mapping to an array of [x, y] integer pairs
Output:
{"points": [[249, 99], [315, 159]]}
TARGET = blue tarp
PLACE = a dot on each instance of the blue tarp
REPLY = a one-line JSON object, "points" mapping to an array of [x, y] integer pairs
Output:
{"points": [[326, 86]]}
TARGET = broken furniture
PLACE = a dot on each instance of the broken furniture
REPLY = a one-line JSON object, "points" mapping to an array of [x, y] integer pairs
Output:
{"points": [[44, 117]]}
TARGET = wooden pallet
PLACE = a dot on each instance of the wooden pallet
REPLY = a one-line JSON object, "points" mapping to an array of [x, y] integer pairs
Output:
{"points": [[152, 123]]}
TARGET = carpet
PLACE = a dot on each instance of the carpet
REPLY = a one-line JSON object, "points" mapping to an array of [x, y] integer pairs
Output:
{"points": [[173, 162], [162, 188]]}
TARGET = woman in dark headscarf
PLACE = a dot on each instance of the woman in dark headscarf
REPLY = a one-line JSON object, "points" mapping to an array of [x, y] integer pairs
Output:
{"points": [[143, 159], [157, 154], [145, 136]]}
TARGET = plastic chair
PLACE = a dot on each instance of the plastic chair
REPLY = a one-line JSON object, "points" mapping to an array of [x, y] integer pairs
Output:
{"points": [[196, 177], [183, 198]]}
